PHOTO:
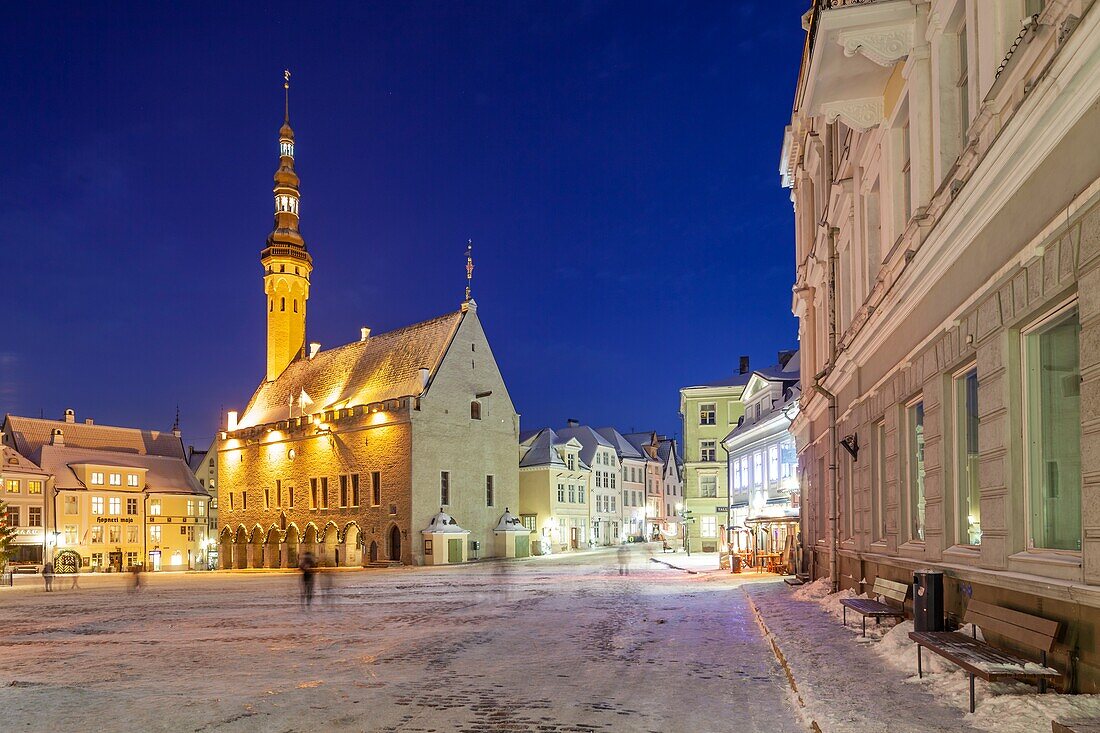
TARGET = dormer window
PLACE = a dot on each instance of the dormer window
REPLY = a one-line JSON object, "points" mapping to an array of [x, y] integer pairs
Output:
{"points": [[286, 149]]}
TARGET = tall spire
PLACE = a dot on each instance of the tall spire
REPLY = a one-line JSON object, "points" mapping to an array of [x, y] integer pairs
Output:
{"points": [[469, 267], [287, 264]]}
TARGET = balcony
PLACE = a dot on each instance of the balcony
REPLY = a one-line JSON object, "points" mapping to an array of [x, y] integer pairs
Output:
{"points": [[854, 48]]}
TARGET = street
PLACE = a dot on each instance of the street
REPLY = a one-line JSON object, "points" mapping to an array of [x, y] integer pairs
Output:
{"points": [[551, 644]]}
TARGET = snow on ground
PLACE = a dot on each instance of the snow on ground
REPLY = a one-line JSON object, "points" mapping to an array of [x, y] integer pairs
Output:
{"points": [[884, 673], [562, 644]]}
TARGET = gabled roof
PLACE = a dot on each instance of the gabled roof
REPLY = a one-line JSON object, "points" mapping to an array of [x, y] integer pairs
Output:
{"points": [[737, 380], [163, 475], [385, 366], [623, 447], [588, 438], [12, 460], [30, 434], [542, 451]]}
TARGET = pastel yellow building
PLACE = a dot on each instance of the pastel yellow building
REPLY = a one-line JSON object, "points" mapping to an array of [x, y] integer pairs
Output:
{"points": [[114, 497], [554, 489], [348, 453]]}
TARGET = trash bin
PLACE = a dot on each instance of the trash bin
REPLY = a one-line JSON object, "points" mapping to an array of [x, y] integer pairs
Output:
{"points": [[928, 600]]}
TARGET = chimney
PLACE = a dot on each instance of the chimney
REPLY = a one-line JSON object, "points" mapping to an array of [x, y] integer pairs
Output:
{"points": [[57, 437], [744, 366], [364, 333], [231, 421], [70, 415], [425, 375], [314, 347], [573, 423], [89, 421]]}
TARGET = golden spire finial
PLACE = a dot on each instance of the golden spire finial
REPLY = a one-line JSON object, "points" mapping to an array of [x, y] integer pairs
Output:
{"points": [[286, 95], [469, 266]]}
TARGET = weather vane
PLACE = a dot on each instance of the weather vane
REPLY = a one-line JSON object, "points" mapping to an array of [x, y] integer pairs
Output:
{"points": [[469, 265], [286, 94]]}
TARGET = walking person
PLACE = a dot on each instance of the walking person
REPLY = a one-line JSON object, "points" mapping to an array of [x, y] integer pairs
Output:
{"points": [[47, 576], [76, 576], [624, 560], [307, 567], [135, 584]]}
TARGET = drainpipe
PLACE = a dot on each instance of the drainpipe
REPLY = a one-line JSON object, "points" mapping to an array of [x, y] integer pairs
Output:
{"points": [[834, 445]]}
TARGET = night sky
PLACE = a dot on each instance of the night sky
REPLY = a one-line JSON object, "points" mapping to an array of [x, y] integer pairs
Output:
{"points": [[616, 165]]}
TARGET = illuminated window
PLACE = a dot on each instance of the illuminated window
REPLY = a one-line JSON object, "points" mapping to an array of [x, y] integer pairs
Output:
{"points": [[13, 485], [116, 479], [132, 479], [773, 463], [190, 507], [133, 535], [707, 413], [154, 533], [708, 527], [758, 469], [70, 534], [97, 505], [114, 534], [154, 507], [202, 506], [34, 487], [97, 533], [114, 506], [97, 478], [286, 149], [561, 493], [71, 505]]}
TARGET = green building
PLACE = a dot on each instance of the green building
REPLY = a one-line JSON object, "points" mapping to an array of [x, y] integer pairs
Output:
{"points": [[710, 412]]}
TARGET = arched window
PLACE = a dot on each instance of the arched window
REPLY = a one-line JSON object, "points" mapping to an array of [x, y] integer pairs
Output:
{"points": [[282, 304], [295, 305], [475, 410]]}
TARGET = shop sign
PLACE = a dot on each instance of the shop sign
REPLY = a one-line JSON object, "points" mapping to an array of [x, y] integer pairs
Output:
{"points": [[28, 532], [115, 520]]}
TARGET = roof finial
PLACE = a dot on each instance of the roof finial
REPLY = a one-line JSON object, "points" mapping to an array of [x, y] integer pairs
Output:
{"points": [[176, 424], [286, 95], [469, 266]]}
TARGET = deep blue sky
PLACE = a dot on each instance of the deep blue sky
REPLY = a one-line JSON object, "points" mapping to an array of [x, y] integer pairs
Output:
{"points": [[614, 163]]}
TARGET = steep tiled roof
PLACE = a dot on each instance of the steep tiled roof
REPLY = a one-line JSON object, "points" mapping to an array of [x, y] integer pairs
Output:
{"points": [[32, 433], [622, 446], [542, 451], [385, 366], [163, 475], [12, 460], [641, 441], [588, 438]]}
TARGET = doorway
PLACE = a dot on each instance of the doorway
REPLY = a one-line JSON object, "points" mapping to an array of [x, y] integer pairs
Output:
{"points": [[573, 538], [374, 552], [395, 543]]}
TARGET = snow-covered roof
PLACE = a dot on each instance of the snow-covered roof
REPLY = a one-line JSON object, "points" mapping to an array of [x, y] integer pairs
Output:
{"points": [[163, 475], [542, 451], [509, 523], [588, 438], [623, 447], [385, 366], [11, 460], [444, 523], [30, 434]]}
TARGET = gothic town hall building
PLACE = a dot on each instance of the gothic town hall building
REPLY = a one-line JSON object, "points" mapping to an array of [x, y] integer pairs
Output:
{"points": [[348, 453]]}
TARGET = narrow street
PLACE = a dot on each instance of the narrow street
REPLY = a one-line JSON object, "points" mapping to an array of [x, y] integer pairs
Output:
{"points": [[551, 644]]}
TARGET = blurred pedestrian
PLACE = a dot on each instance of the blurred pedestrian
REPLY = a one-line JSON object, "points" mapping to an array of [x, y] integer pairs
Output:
{"points": [[76, 577], [307, 566], [135, 579], [501, 571], [624, 559], [326, 583], [47, 576]]}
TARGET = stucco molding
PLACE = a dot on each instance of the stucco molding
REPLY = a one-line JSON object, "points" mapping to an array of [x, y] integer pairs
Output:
{"points": [[884, 45], [859, 114]]}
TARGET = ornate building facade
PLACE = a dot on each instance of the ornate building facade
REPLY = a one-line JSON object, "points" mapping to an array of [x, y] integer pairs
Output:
{"points": [[945, 176], [348, 453]]}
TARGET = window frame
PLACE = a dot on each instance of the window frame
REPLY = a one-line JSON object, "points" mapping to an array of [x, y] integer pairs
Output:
{"points": [[913, 465], [960, 447]]}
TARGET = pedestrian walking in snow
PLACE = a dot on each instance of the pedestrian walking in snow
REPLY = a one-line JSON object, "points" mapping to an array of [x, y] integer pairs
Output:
{"points": [[47, 576], [74, 585], [500, 577], [624, 560], [307, 566], [326, 582], [135, 582]]}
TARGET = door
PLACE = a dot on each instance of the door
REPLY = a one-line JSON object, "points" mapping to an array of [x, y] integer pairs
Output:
{"points": [[154, 560], [573, 538], [523, 546], [395, 544], [114, 560], [454, 550]]}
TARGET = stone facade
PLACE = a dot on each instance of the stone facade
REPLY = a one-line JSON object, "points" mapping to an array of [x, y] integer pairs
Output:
{"points": [[961, 229]]}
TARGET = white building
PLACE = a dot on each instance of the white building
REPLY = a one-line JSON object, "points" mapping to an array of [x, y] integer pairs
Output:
{"points": [[945, 174]]}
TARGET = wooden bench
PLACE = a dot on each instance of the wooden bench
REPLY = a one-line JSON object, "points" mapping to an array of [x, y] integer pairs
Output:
{"points": [[874, 608], [984, 660], [1076, 725]]}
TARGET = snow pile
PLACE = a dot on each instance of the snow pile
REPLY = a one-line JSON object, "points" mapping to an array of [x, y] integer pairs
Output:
{"points": [[1006, 707], [812, 591]]}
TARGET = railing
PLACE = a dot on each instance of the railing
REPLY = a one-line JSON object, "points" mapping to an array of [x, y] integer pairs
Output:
{"points": [[827, 4], [292, 252]]}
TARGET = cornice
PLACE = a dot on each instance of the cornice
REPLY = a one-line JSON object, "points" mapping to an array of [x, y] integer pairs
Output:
{"points": [[884, 45], [859, 114]]}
